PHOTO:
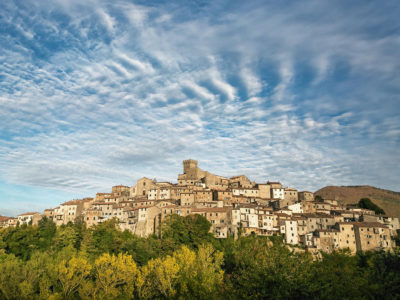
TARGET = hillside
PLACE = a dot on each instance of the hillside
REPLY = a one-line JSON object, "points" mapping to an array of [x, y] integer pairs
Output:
{"points": [[388, 200]]}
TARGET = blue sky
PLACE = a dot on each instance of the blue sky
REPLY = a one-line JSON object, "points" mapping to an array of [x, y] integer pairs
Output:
{"points": [[97, 93]]}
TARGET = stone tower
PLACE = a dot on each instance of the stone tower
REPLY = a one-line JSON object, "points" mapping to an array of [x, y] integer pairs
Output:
{"points": [[190, 168]]}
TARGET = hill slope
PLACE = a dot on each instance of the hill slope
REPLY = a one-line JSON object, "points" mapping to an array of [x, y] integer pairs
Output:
{"points": [[388, 200]]}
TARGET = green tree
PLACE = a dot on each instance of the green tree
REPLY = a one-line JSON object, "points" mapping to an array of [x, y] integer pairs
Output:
{"points": [[115, 276], [37, 281], [337, 276], [71, 275], [158, 278], [261, 269], [368, 204], [10, 276], [103, 238], [383, 273], [319, 198], [66, 236], [192, 230], [200, 274]]}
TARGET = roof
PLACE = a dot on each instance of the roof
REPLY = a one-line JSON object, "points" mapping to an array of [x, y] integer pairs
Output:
{"points": [[138, 207], [316, 215], [87, 199], [327, 230], [29, 214], [237, 176], [211, 209], [299, 218], [116, 207], [173, 206], [370, 224], [4, 219], [72, 202], [247, 205], [282, 215]]}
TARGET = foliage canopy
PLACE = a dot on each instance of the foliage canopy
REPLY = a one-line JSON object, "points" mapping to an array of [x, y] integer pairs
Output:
{"points": [[185, 262]]}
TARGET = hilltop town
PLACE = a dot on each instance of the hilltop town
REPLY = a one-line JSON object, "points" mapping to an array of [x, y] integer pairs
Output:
{"points": [[234, 206]]}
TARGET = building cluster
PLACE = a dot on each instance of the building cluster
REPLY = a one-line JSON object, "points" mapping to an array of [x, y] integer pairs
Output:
{"points": [[234, 206]]}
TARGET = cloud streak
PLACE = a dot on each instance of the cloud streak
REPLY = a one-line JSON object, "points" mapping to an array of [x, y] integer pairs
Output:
{"points": [[308, 95]]}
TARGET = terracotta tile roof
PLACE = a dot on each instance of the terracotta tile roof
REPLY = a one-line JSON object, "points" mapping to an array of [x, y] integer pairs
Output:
{"points": [[237, 176], [29, 214], [370, 224], [137, 207], [327, 230], [316, 215], [282, 215], [4, 219], [211, 209], [72, 202], [364, 224], [174, 206]]}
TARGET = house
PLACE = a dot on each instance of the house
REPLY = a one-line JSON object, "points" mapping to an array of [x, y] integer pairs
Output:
{"points": [[288, 228], [219, 217], [306, 196], [29, 218]]}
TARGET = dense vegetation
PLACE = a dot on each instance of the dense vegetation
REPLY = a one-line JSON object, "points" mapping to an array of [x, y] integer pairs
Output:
{"points": [[368, 204], [186, 262]]}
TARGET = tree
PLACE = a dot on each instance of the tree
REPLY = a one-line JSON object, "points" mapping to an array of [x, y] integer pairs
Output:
{"points": [[103, 238], [383, 273], [37, 280], [261, 269], [368, 204], [192, 230], [46, 232], [66, 236], [337, 276], [319, 198], [200, 274], [10, 276], [158, 278], [115, 276], [71, 274]]}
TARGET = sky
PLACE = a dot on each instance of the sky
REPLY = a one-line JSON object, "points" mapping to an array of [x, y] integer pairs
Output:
{"points": [[98, 93]]}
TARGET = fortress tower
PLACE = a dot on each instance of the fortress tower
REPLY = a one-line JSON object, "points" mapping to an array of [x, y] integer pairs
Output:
{"points": [[190, 169]]}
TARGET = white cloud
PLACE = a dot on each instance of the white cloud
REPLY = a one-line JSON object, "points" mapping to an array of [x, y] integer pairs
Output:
{"points": [[257, 91]]}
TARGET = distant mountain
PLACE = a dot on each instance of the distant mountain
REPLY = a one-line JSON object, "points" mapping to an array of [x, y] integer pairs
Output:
{"points": [[388, 200]]}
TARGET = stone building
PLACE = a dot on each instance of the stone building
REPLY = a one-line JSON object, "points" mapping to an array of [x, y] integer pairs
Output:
{"points": [[306, 196], [29, 218]]}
